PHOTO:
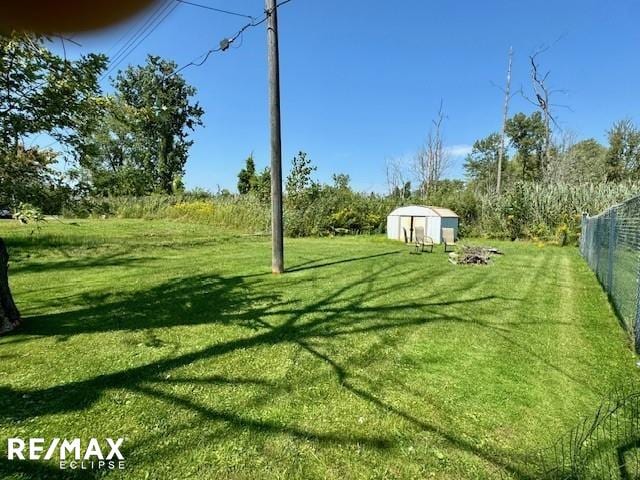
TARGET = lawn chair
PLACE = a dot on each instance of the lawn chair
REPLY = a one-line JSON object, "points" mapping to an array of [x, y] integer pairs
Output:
{"points": [[423, 240], [448, 238]]}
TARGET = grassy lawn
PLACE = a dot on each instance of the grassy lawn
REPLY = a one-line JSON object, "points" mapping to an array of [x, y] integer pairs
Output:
{"points": [[362, 362]]}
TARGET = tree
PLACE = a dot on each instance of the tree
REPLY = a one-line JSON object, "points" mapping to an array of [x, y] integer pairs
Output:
{"points": [[9, 315], [431, 160], [41, 94], [481, 164], [341, 181], [247, 176], [299, 179], [263, 185], [505, 115], [623, 156], [396, 178], [144, 142], [581, 162], [115, 159], [527, 135]]}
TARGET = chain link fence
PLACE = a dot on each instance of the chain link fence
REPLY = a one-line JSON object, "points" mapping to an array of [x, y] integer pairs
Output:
{"points": [[603, 446], [610, 243]]}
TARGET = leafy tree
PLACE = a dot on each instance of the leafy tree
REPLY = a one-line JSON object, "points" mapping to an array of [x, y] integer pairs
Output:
{"points": [[115, 159], [299, 180], [341, 181], [527, 135], [623, 157], [41, 94], [482, 163], [262, 186], [247, 176], [143, 143], [585, 162]]}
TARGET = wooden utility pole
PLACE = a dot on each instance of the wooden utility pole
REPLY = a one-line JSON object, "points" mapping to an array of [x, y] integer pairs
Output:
{"points": [[277, 233], [507, 91]]}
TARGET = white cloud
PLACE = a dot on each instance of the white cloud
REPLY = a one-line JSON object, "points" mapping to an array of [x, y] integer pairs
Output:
{"points": [[459, 150]]}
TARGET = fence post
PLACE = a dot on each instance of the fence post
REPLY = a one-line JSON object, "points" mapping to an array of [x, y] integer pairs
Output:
{"points": [[583, 234], [612, 245], [636, 327]]}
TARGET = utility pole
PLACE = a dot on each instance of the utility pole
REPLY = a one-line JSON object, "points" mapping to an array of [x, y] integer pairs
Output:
{"points": [[277, 233], [507, 91]]}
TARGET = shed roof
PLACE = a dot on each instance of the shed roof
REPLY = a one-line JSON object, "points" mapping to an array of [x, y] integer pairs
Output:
{"points": [[444, 212], [422, 211]]}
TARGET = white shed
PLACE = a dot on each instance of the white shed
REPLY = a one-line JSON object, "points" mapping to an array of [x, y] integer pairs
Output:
{"points": [[401, 223]]}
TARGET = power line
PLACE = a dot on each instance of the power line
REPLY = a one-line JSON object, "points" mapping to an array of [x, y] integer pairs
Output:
{"points": [[130, 30], [227, 42], [219, 10], [141, 28], [152, 23]]}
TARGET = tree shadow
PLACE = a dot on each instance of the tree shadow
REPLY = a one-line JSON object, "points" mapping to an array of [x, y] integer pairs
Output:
{"points": [[203, 299], [101, 261], [344, 311], [311, 264]]}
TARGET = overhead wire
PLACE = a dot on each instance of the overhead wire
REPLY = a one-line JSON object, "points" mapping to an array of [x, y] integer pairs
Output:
{"points": [[227, 42], [219, 10], [142, 33], [152, 22]]}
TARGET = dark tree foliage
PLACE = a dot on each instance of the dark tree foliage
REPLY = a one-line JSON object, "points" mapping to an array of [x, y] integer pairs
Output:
{"points": [[623, 157], [247, 176], [481, 165], [41, 94], [262, 185], [527, 136], [142, 144]]}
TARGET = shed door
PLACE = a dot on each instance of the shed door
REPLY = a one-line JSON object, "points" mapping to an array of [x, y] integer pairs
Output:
{"points": [[407, 223]]}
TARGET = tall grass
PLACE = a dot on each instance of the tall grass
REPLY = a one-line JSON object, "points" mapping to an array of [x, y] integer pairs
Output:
{"points": [[524, 210], [535, 210]]}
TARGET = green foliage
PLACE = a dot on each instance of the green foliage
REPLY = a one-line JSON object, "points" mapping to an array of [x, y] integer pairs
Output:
{"points": [[623, 157], [28, 176], [27, 213], [262, 185], [44, 93], [527, 136], [142, 144], [535, 210], [585, 162], [516, 210], [299, 186], [481, 165], [247, 176]]}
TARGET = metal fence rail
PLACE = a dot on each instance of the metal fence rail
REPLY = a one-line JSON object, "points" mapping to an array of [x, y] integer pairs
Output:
{"points": [[610, 243]]}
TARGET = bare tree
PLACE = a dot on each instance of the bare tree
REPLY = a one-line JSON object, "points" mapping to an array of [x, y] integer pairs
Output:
{"points": [[543, 94], [561, 165], [394, 174], [431, 160], [505, 115]]}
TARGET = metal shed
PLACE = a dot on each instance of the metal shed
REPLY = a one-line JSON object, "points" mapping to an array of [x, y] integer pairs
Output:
{"points": [[401, 223]]}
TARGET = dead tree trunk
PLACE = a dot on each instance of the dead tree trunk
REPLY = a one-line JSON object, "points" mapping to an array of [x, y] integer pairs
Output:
{"points": [[9, 315]]}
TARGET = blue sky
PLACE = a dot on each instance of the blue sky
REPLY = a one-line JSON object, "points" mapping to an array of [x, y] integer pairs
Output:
{"points": [[361, 80]]}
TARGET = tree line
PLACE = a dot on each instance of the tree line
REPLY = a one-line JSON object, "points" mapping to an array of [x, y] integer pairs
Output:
{"points": [[133, 141]]}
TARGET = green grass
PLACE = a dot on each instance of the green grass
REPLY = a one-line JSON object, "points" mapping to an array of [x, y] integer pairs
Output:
{"points": [[362, 362]]}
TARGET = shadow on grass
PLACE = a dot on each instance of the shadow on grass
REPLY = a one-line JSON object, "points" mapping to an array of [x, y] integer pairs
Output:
{"points": [[344, 311], [102, 261]]}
